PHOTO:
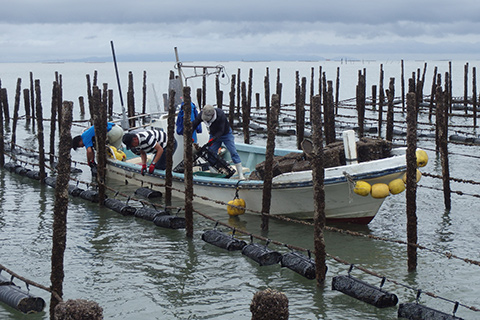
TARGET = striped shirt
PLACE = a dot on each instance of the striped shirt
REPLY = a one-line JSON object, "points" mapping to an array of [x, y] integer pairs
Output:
{"points": [[147, 140]]}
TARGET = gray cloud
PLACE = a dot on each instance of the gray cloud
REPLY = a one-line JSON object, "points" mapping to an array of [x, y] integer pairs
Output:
{"points": [[65, 30]]}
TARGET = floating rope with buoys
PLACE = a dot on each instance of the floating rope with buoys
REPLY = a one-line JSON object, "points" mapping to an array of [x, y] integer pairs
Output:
{"points": [[396, 186]]}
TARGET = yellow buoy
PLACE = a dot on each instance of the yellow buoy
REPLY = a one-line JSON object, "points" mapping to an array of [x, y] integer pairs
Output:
{"points": [[419, 176], [380, 190], [396, 186], [234, 211], [422, 158], [362, 188]]}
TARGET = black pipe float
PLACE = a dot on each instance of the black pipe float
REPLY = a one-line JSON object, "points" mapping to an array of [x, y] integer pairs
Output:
{"points": [[119, 206], [32, 174], [148, 193], [299, 263], [222, 240], [11, 166], [50, 181], [149, 213], [21, 171], [18, 299], [363, 291], [169, 221], [261, 254], [90, 195], [415, 311], [74, 190]]}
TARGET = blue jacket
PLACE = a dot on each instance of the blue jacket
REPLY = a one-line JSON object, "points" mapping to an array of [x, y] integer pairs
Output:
{"points": [[179, 122]]}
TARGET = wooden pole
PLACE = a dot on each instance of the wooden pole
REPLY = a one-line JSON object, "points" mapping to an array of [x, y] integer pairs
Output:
{"points": [[432, 94], [381, 101], [170, 149], [81, 102], [390, 114], [443, 147], [361, 103], [337, 90], [41, 143], [465, 88], [26, 103], [188, 161], [318, 175], [474, 96], [32, 98], [329, 114], [53, 120], [131, 100], [403, 86], [267, 181], [245, 115], [144, 94], [59, 226], [239, 92], [2, 137], [15, 113], [374, 97], [266, 85], [4, 102], [411, 190], [100, 126], [231, 106]]}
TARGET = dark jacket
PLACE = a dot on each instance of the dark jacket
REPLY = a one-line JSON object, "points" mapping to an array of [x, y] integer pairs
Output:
{"points": [[219, 127]]}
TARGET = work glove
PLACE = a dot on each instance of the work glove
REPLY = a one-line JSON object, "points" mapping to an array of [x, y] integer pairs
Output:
{"points": [[92, 164], [144, 169], [151, 167], [209, 143]]}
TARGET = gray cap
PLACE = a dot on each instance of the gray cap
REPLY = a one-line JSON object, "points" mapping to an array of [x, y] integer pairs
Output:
{"points": [[207, 113]]}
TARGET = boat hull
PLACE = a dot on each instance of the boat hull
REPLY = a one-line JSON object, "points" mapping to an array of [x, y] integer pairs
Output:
{"points": [[292, 193]]}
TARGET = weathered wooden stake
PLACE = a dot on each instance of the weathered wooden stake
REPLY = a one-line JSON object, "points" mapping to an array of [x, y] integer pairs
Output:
{"points": [[53, 120], [170, 147], [199, 98], [381, 101], [231, 105], [144, 94], [59, 227], [15, 112], [474, 96], [329, 114], [41, 142], [432, 94], [403, 86], [4, 102], [32, 98], [267, 181], [26, 103], [266, 85], [443, 146], [131, 100], [2, 138], [337, 90], [411, 190], [245, 115], [465, 88], [390, 113], [361, 103], [100, 126], [318, 175], [81, 103], [188, 161]]}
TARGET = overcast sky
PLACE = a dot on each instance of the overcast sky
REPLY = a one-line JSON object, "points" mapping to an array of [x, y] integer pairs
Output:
{"points": [[65, 30]]}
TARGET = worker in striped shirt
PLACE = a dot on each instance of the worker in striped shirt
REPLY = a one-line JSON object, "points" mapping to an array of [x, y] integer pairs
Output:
{"points": [[149, 141]]}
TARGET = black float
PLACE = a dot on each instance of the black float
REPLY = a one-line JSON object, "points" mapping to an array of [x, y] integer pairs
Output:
{"points": [[119, 206], [363, 291], [148, 193], [299, 263], [74, 190], [223, 240], [169, 221], [19, 299], [261, 254], [149, 213]]}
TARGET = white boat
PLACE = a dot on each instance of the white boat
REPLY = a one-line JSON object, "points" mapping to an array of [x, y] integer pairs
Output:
{"points": [[292, 192]]}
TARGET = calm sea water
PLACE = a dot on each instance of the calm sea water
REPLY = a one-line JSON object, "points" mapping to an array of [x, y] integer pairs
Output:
{"points": [[136, 270]]}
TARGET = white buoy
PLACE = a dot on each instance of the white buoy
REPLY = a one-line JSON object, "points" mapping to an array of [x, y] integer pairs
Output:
{"points": [[350, 146]]}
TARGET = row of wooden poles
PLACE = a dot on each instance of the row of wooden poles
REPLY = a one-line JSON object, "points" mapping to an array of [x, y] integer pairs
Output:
{"points": [[98, 108]]}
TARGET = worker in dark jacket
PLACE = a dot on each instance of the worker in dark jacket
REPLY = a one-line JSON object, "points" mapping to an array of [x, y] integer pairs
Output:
{"points": [[220, 132]]}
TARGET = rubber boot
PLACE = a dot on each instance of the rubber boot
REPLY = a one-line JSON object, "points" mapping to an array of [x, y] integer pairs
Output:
{"points": [[239, 168]]}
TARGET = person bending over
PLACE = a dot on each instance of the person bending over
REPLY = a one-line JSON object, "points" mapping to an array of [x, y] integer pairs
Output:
{"points": [[149, 141]]}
